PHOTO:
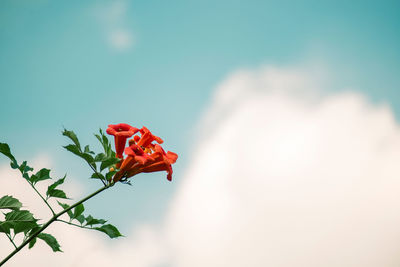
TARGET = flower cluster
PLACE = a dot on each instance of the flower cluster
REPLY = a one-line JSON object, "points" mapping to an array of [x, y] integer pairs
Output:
{"points": [[143, 154]]}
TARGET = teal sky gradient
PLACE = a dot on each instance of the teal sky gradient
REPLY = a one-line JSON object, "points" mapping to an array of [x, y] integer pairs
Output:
{"points": [[58, 69]]}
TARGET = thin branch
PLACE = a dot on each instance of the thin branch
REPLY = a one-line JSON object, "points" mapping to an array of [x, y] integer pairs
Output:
{"points": [[45, 201], [40, 195], [90, 165], [74, 224], [11, 240], [96, 172], [53, 219]]}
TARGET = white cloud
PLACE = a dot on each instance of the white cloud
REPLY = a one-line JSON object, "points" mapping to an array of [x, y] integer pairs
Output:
{"points": [[114, 20], [285, 175]]}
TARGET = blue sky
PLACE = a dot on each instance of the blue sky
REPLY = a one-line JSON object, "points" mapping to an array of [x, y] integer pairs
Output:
{"points": [[85, 64]]}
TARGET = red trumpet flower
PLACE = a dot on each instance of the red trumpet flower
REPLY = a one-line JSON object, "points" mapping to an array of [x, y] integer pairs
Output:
{"points": [[121, 132], [144, 156], [147, 138], [161, 162]]}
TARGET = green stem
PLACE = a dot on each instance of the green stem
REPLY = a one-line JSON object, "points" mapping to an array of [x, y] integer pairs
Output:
{"points": [[53, 219], [96, 172], [40, 195], [45, 201], [11, 240], [77, 225], [93, 168]]}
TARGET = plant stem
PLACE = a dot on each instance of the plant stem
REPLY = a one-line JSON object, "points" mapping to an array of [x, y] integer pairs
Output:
{"points": [[77, 225], [11, 240], [45, 201], [53, 219], [96, 172]]}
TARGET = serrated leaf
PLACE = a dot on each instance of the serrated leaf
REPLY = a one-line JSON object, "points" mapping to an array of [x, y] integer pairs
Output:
{"points": [[26, 176], [14, 164], [24, 167], [99, 138], [19, 216], [5, 150], [66, 206], [57, 193], [104, 142], [20, 220], [108, 162], [109, 230], [43, 174], [73, 137], [97, 175], [91, 221], [80, 218], [4, 227], [8, 202], [99, 157], [87, 150], [32, 243], [74, 149], [110, 174], [78, 210], [55, 184], [51, 241], [86, 156], [24, 226], [89, 158]]}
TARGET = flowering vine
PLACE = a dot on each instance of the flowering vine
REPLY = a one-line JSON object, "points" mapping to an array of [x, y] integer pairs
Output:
{"points": [[142, 153]]}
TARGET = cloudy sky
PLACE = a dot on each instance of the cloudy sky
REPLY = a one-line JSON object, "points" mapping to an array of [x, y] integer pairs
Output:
{"points": [[285, 116]]}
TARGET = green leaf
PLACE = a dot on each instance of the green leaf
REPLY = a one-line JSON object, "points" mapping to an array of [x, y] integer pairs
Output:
{"points": [[73, 137], [110, 174], [108, 162], [5, 149], [100, 157], [55, 184], [87, 150], [57, 193], [80, 219], [91, 221], [78, 210], [26, 176], [32, 231], [97, 175], [109, 230], [19, 216], [53, 192], [99, 138], [14, 164], [5, 227], [66, 206], [20, 220], [32, 243], [86, 156], [51, 241], [8, 202], [74, 149], [43, 174], [89, 158], [104, 142], [24, 167]]}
